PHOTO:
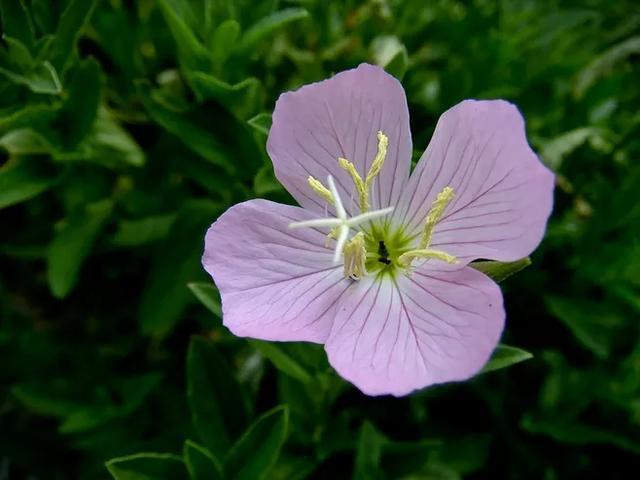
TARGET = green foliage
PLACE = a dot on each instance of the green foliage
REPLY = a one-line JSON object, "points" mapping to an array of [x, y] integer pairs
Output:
{"points": [[126, 128]]}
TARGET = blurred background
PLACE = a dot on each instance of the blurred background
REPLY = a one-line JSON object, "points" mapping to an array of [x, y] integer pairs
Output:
{"points": [[127, 127]]}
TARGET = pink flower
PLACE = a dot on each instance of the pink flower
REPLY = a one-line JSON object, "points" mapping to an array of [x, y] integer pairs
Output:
{"points": [[375, 263]]}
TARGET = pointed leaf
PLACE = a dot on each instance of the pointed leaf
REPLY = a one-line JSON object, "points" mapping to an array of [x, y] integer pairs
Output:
{"points": [[258, 449], [208, 296], [72, 244], [218, 407], [70, 26], [282, 361], [505, 356], [147, 466], [261, 123], [499, 271], [369, 453], [269, 25], [22, 178], [201, 464]]}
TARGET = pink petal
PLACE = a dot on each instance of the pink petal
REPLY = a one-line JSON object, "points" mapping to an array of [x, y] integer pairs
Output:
{"points": [[436, 325], [340, 117], [504, 194], [275, 283]]}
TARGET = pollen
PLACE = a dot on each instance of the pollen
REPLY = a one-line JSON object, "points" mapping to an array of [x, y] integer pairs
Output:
{"points": [[355, 256]]}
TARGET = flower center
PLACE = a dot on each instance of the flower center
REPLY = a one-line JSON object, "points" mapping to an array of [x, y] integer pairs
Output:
{"points": [[376, 248]]}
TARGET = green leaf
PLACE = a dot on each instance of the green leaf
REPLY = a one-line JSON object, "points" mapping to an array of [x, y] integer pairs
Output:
{"points": [[224, 41], [555, 150], [176, 262], [568, 431], [147, 466], [70, 26], [79, 110], [23, 178], [208, 296], [391, 55], [505, 356], [499, 271], [201, 464], [258, 32], [22, 69], [218, 407], [281, 360], [261, 123], [257, 451], [72, 244], [240, 99], [133, 233], [111, 145], [602, 64], [594, 325], [192, 55], [187, 129], [369, 453], [16, 21]]}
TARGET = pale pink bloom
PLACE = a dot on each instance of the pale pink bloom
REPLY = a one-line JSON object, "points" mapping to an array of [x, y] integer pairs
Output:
{"points": [[390, 294]]}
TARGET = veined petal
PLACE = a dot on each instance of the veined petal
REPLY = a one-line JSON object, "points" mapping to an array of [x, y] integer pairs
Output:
{"points": [[275, 283], [434, 326], [503, 193], [340, 117]]}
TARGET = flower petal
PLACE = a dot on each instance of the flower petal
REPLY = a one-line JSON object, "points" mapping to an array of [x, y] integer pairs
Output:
{"points": [[438, 325], [340, 117], [503, 193], [276, 283]]}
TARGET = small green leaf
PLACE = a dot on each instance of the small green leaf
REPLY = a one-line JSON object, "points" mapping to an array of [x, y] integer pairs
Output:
{"points": [[593, 324], [72, 244], [604, 63], [257, 451], [133, 233], [505, 356], [80, 108], [281, 360], [192, 55], [16, 21], [147, 466], [499, 271], [23, 178], [261, 122], [176, 262], [187, 129], [224, 41], [70, 26], [556, 149], [218, 407], [369, 453], [201, 464], [208, 296], [111, 145], [240, 99], [391, 55], [267, 26]]}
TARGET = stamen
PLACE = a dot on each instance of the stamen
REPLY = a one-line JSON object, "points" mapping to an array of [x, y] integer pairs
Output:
{"points": [[355, 256], [363, 186], [406, 258], [358, 182], [320, 189], [376, 166], [341, 224], [435, 214]]}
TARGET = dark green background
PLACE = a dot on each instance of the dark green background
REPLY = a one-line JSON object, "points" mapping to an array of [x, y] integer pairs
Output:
{"points": [[126, 127]]}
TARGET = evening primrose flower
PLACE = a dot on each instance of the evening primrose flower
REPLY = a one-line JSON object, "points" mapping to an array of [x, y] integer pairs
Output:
{"points": [[375, 262]]}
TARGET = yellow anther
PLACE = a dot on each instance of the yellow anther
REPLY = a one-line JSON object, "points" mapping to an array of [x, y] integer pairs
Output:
{"points": [[320, 189], [332, 235], [435, 214], [376, 166], [357, 181], [355, 256], [425, 253], [363, 186]]}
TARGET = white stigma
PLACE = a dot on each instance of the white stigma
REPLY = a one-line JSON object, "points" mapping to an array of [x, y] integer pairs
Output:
{"points": [[341, 221]]}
